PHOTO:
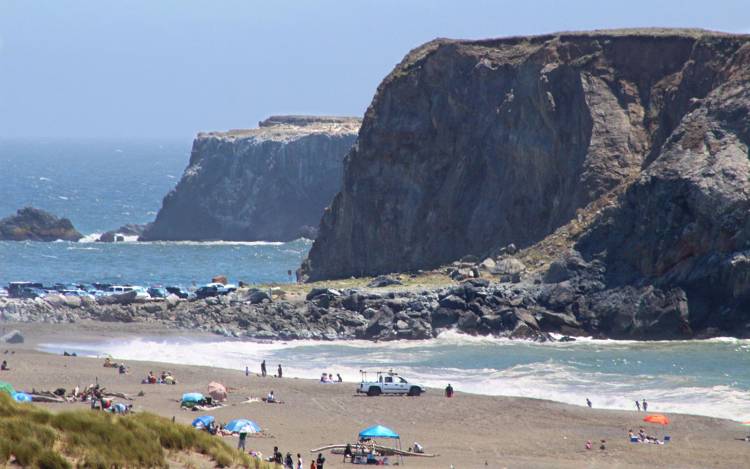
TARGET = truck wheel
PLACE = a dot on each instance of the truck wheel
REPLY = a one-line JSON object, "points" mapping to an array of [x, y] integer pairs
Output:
{"points": [[414, 391], [373, 391]]}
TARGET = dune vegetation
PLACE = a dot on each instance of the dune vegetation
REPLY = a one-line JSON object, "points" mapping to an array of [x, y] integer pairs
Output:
{"points": [[34, 437]]}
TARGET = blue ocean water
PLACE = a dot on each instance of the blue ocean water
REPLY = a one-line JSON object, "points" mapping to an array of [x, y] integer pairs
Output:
{"points": [[101, 185]]}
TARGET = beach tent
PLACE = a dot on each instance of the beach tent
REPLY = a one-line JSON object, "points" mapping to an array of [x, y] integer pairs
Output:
{"points": [[656, 418], [247, 426], [6, 387], [379, 431], [21, 397], [217, 391], [204, 421], [192, 397]]}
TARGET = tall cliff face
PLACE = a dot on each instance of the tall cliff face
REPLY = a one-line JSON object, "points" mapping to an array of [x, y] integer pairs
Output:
{"points": [[471, 145], [270, 183]]}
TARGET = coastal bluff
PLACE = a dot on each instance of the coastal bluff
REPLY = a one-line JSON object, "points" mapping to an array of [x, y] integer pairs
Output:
{"points": [[617, 161], [33, 224], [468, 146], [271, 183]]}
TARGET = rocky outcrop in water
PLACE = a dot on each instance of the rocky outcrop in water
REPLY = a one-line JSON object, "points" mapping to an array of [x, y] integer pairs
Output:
{"points": [[270, 183], [122, 233], [471, 145], [33, 224]]}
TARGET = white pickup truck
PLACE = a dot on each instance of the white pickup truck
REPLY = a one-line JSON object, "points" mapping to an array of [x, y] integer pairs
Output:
{"points": [[388, 383]]}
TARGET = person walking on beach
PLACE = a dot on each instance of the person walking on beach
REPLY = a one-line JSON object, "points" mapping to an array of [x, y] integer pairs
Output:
{"points": [[300, 464], [588, 402], [449, 391], [288, 462], [243, 438], [281, 375], [320, 461], [638, 406], [645, 406], [247, 371], [263, 368]]}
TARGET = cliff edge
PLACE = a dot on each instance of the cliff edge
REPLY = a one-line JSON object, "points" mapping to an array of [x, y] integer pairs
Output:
{"points": [[270, 183], [472, 145]]}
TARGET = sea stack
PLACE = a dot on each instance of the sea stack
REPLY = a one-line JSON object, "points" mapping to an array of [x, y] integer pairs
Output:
{"points": [[271, 183], [471, 145], [33, 224]]}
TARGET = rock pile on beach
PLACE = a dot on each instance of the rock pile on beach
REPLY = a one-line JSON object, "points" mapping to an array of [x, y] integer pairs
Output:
{"points": [[570, 299]]}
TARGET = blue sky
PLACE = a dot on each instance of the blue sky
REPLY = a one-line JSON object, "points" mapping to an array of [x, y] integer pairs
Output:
{"points": [[171, 68]]}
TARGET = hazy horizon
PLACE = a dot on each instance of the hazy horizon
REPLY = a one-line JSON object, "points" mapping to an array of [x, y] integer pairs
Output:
{"points": [[166, 70]]}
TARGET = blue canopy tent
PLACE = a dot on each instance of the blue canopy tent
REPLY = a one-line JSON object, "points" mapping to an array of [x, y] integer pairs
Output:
{"points": [[204, 421], [237, 425], [379, 431]]}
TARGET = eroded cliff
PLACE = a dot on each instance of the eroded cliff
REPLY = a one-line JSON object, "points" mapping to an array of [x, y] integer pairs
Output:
{"points": [[270, 183], [471, 145]]}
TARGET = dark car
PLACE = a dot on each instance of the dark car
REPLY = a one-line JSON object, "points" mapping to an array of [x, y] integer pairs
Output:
{"points": [[158, 292], [207, 291], [19, 289], [179, 291]]}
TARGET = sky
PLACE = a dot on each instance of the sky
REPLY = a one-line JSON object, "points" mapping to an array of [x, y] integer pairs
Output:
{"points": [[171, 68]]}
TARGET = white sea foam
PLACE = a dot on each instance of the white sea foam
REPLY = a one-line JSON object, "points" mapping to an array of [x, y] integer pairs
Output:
{"points": [[610, 383], [90, 238]]}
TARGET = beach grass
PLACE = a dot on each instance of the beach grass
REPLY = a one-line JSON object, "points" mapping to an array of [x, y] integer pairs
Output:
{"points": [[35, 437]]}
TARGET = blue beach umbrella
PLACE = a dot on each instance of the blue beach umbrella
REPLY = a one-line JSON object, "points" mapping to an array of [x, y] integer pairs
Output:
{"points": [[204, 421], [21, 397], [249, 426]]}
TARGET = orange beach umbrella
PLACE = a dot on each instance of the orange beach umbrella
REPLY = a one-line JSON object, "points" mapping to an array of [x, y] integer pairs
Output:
{"points": [[656, 418]]}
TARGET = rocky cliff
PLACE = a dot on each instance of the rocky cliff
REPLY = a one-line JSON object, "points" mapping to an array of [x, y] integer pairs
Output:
{"points": [[34, 224], [471, 145], [269, 183]]}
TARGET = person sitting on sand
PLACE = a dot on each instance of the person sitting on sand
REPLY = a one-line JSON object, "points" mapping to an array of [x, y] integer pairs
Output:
{"points": [[588, 444], [642, 434], [4, 366], [270, 398], [348, 452], [122, 369], [324, 378]]}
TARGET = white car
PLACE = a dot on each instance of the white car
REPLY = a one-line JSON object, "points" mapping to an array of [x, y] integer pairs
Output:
{"points": [[388, 383]]}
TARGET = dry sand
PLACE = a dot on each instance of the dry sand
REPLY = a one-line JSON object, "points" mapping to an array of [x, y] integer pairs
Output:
{"points": [[468, 431]]}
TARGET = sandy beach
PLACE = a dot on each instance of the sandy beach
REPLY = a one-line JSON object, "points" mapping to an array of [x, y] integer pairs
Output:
{"points": [[467, 431]]}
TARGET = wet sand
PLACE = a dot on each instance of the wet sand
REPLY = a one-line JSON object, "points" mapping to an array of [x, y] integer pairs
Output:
{"points": [[468, 431]]}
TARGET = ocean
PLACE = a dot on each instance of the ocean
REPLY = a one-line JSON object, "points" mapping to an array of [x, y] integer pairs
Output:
{"points": [[101, 185]]}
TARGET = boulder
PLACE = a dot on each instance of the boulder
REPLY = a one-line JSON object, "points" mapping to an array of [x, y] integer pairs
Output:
{"points": [[383, 281]]}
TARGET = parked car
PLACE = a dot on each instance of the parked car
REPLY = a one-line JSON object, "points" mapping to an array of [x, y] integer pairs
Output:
{"points": [[179, 291], [388, 383], [207, 291], [158, 292], [16, 289]]}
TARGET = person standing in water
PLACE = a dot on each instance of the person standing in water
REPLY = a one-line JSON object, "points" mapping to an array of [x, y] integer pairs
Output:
{"points": [[281, 375], [588, 402], [638, 406], [263, 368], [247, 371], [645, 406]]}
